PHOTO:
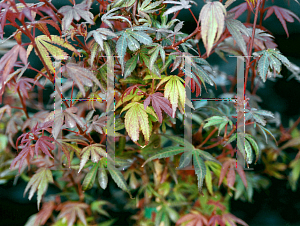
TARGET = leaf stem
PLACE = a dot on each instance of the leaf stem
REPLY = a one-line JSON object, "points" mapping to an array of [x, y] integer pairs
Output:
{"points": [[152, 86], [194, 17], [23, 103], [262, 13], [294, 125], [207, 138], [220, 141], [175, 15], [184, 39]]}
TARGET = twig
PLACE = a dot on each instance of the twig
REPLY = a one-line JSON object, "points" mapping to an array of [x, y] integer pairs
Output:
{"points": [[251, 46]]}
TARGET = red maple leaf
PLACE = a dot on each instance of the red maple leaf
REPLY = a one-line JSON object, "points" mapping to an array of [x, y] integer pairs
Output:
{"points": [[29, 149], [231, 219], [23, 84], [239, 10], [8, 61], [129, 89], [216, 220], [195, 218], [44, 144], [231, 165], [26, 153], [159, 102], [283, 15], [194, 85]]}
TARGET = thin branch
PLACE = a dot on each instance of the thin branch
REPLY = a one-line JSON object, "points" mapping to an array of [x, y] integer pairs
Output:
{"points": [[207, 138], [23, 104], [251, 45], [220, 141], [183, 40]]}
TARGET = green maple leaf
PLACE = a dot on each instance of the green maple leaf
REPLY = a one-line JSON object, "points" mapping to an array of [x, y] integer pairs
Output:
{"points": [[271, 58], [175, 92], [136, 119], [39, 182]]}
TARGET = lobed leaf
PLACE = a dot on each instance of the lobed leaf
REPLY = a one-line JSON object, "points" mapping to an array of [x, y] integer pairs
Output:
{"points": [[39, 182], [212, 17]]}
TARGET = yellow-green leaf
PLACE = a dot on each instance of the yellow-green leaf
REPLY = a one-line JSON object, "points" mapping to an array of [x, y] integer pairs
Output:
{"points": [[212, 17], [39, 182], [136, 119], [44, 47]]}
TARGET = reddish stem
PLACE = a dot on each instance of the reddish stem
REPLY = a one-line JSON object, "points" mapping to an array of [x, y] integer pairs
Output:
{"points": [[251, 46], [194, 16], [207, 138]]}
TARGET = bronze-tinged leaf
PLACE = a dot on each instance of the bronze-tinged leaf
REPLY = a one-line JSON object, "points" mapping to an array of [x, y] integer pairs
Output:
{"points": [[230, 219], [231, 176], [70, 210], [242, 174], [194, 218], [223, 171], [175, 92], [45, 213], [212, 17], [42, 26], [82, 77], [97, 124], [8, 61], [6, 109]]}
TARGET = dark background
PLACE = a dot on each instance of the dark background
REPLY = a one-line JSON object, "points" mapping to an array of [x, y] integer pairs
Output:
{"points": [[276, 206]]}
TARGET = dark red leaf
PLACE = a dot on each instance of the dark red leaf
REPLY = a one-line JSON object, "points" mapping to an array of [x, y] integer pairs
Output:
{"points": [[223, 171], [44, 144], [283, 15], [8, 60], [159, 102], [26, 153], [4, 7], [231, 176], [216, 220], [242, 174], [47, 10], [129, 89], [230, 218]]}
